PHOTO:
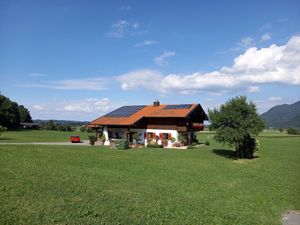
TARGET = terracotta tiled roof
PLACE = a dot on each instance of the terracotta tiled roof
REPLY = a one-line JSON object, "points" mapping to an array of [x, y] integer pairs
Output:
{"points": [[147, 111]]}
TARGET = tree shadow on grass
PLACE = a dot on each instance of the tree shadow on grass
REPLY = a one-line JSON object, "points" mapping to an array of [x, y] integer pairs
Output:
{"points": [[6, 139], [226, 153]]}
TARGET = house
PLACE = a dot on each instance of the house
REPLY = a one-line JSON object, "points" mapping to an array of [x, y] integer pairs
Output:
{"points": [[154, 122]]}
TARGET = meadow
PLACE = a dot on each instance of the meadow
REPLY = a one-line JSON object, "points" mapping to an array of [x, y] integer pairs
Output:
{"points": [[98, 185], [40, 136]]}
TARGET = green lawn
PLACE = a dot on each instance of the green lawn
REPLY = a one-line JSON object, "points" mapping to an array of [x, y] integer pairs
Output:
{"points": [[97, 185], [40, 136]]}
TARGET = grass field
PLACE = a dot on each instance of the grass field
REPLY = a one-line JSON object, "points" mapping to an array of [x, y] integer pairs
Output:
{"points": [[40, 136], [97, 185]]}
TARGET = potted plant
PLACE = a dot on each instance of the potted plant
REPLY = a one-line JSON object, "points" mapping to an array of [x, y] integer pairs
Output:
{"points": [[92, 140]]}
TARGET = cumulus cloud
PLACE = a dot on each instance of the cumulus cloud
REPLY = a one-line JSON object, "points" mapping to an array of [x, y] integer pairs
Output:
{"points": [[275, 64], [161, 60], [146, 43], [265, 37], [149, 79], [122, 27], [89, 105]]}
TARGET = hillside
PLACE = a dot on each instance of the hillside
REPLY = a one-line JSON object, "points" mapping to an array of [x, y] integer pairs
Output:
{"points": [[283, 116]]}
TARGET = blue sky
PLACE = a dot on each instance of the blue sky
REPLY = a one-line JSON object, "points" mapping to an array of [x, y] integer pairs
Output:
{"points": [[78, 60]]}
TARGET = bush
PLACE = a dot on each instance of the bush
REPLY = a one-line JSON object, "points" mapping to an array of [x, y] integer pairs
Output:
{"points": [[2, 129], [154, 146], [122, 144], [172, 139], [207, 142], [182, 139], [292, 131], [92, 139], [190, 147]]}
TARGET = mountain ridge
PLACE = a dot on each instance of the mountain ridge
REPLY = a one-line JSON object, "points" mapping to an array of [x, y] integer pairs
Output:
{"points": [[283, 116]]}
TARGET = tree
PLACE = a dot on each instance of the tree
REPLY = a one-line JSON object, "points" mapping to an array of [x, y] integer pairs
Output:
{"points": [[237, 123], [24, 115], [9, 113]]}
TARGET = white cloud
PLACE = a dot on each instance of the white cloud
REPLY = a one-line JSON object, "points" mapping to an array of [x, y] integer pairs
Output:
{"points": [[98, 83], [89, 105], [275, 98], [148, 79], [37, 75], [38, 107], [246, 42], [146, 43], [161, 59], [253, 89], [265, 37], [275, 64], [122, 27]]}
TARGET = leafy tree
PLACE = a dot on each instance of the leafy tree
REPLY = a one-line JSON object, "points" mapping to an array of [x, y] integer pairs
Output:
{"points": [[292, 131], [9, 113], [50, 125], [237, 123], [24, 115]]}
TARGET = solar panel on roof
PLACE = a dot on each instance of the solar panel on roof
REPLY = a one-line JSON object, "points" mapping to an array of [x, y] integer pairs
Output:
{"points": [[126, 110], [183, 106]]}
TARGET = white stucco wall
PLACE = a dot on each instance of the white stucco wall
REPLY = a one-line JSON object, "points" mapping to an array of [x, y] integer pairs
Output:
{"points": [[173, 133]]}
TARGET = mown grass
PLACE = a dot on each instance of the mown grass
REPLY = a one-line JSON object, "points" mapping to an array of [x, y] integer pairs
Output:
{"points": [[40, 136], [97, 185]]}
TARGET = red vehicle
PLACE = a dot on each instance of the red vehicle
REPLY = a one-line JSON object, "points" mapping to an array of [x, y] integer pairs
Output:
{"points": [[75, 139]]}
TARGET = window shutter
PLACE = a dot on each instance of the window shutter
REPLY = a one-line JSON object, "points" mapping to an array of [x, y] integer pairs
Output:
{"points": [[160, 136], [169, 136], [145, 135], [153, 136]]}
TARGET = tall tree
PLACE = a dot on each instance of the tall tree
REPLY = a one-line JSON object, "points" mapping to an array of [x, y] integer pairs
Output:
{"points": [[24, 115], [237, 123], [9, 113]]}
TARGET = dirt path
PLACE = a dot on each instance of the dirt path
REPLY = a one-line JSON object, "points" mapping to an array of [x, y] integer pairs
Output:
{"points": [[82, 143]]}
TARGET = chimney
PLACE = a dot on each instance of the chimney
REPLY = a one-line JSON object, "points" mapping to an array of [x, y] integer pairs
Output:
{"points": [[156, 102]]}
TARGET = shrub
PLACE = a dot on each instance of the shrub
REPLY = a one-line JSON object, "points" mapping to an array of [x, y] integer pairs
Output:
{"points": [[280, 130], [2, 129], [190, 147], [182, 139], [102, 138], [154, 146], [122, 144], [172, 139], [207, 142], [292, 131], [92, 139]]}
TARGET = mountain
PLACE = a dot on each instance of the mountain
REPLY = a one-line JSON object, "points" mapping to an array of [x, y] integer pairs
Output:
{"points": [[283, 116]]}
